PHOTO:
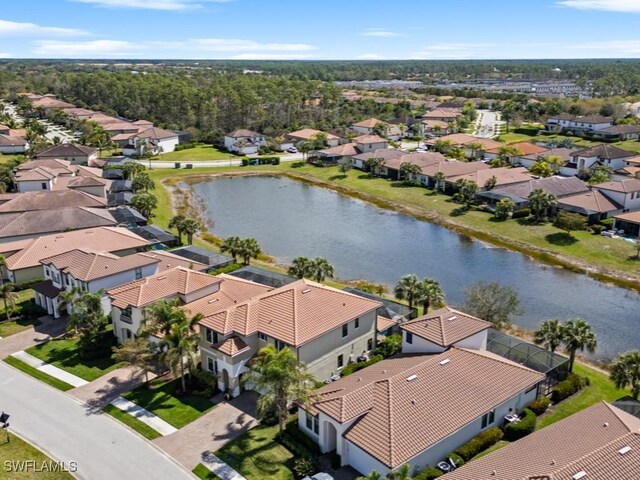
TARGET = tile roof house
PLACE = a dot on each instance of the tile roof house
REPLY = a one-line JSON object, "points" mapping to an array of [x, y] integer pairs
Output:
{"points": [[448, 115], [307, 134], [621, 132], [88, 271], [244, 142], [529, 160], [591, 157], [624, 192], [156, 139], [326, 327], [598, 443], [559, 187], [391, 167], [76, 154], [402, 410], [13, 144], [525, 148], [51, 200], [588, 124], [451, 170], [358, 161], [594, 204], [23, 256], [367, 127], [168, 260], [504, 176], [628, 222]]}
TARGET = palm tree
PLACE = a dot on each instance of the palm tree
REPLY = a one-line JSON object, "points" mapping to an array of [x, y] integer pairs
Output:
{"points": [[549, 334], [625, 372], [249, 248], [281, 379], [409, 288], [401, 473], [578, 335], [305, 146], [191, 226], [86, 308], [9, 297], [439, 179], [232, 245], [475, 147], [159, 316], [142, 183], [372, 476], [301, 267], [179, 347], [432, 294], [555, 162], [540, 202], [321, 269], [144, 203], [131, 169], [177, 222]]}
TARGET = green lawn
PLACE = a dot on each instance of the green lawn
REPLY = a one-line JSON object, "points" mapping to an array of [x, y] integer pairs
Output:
{"points": [[196, 154], [17, 450], [64, 353], [257, 456], [204, 473], [140, 427], [35, 373], [18, 325], [160, 399]]}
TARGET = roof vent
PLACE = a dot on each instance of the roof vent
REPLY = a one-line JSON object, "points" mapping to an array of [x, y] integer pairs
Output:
{"points": [[624, 450], [359, 379], [162, 277], [411, 378], [306, 290], [451, 319], [213, 300], [493, 473], [413, 402], [445, 361], [606, 424], [579, 475], [553, 462]]}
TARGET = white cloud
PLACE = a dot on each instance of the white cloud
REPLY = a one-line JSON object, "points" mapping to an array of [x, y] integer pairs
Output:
{"points": [[626, 6], [6, 55], [236, 45], [379, 32], [369, 56], [11, 29], [92, 49], [271, 56], [456, 51], [152, 4]]}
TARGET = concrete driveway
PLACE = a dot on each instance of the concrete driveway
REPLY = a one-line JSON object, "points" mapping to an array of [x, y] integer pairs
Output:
{"points": [[56, 423], [212, 431], [32, 336]]}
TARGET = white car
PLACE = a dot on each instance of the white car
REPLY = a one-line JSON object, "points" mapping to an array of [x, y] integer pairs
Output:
{"points": [[319, 476], [292, 150]]}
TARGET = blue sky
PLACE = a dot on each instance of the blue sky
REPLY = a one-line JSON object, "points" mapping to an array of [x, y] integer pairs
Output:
{"points": [[320, 29]]}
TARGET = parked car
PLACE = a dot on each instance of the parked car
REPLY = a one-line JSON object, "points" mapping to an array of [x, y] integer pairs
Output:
{"points": [[292, 150], [319, 476]]}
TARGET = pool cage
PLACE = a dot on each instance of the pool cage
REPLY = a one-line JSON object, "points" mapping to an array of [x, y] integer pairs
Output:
{"points": [[554, 366]]}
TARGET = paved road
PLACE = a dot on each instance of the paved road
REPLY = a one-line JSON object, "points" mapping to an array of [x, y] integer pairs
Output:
{"points": [[486, 124], [234, 161], [60, 426]]}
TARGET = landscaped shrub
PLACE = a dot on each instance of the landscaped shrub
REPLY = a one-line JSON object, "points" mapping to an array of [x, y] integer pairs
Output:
{"points": [[293, 435], [275, 161], [391, 345], [429, 473], [526, 425], [245, 162], [354, 367], [305, 467], [607, 222], [203, 383], [457, 459], [269, 419], [232, 267], [479, 443], [539, 405], [567, 387], [18, 287], [598, 229], [521, 213]]}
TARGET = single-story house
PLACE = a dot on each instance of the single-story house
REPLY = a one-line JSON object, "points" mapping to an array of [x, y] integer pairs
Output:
{"points": [[598, 443], [461, 140], [212, 260], [504, 176], [333, 155], [391, 167], [559, 187], [155, 235], [74, 153], [621, 132], [436, 128], [11, 144], [594, 204], [51, 200], [244, 142], [402, 410], [450, 169], [628, 222], [448, 115], [529, 160], [358, 161], [624, 192], [525, 148]]}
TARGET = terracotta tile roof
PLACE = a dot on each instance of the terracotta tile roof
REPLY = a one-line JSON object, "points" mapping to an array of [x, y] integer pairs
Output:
{"points": [[453, 168], [57, 166], [633, 160], [28, 253], [294, 314], [603, 151], [78, 182], [504, 176], [384, 153], [434, 123], [232, 346], [41, 222], [421, 159], [232, 291], [564, 153], [633, 217], [461, 139], [443, 113], [369, 139], [242, 133], [169, 260], [162, 285], [347, 149], [12, 141], [102, 119], [66, 150], [49, 102], [308, 133], [558, 186], [143, 122], [34, 175], [87, 265], [400, 400], [589, 441], [77, 111], [445, 326], [621, 129], [122, 136], [383, 324], [589, 202], [118, 126], [526, 148], [155, 133], [368, 123], [49, 200], [625, 186]]}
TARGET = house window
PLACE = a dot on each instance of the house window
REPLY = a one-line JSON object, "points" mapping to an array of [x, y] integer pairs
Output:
{"points": [[316, 425], [357, 323], [212, 337], [345, 330], [309, 421], [126, 312], [488, 418], [369, 344], [409, 337], [46, 272], [340, 361], [279, 345], [262, 336], [138, 273], [212, 366], [126, 334], [44, 186]]}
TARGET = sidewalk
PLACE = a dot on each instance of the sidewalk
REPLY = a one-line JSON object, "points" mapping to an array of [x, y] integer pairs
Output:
{"points": [[50, 370], [33, 336], [221, 469]]}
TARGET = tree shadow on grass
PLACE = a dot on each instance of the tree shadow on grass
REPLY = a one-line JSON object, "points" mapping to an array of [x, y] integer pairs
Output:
{"points": [[338, 177], [297, 164], [403, 184], [457, 212], [366, 176], [561, 238]]}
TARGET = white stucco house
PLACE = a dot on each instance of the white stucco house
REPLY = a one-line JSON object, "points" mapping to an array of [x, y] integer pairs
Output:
{"points": [[625, 192], [590, 158], [244, 142], [11, 144], [73, 152], [589, 124], [153, 139]]}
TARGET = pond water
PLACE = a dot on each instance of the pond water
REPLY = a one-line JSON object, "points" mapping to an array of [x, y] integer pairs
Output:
{"points": [[362, 241]]}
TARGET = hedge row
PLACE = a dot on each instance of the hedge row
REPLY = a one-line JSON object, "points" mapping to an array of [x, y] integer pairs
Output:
{"points": [[526, 425], [479, 443], [261, 161], [185, 146], [429, 474], [567, 387], [354, 367], [302, 444], [539, 405], [522, 213]]}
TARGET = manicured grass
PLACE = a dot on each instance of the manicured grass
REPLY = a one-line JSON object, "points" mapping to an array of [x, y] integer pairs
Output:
{"points": [[204, 473], [17, 450], [600, 389], [160, 399], [29, 370], [64, 353], [140, 427], [256, 455], [16, 325], [197, 154]]}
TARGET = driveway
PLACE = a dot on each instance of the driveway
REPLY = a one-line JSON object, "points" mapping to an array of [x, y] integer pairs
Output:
{"points": [[32, 336], [486, 124], [212, 431], [56, 423]]}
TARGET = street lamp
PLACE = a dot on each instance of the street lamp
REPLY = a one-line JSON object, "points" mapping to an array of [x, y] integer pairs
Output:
{"points": [[4, 424]]}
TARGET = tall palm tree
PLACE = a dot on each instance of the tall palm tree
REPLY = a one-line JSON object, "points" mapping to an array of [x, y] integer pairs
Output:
{"points": [[231, 245], [401, 473], [625, 372], [281, 380], [555, 162], [372, 476], [144, 203], [540, 202], [160, 315], [305, 146], [179, 347], [578, 335], [322, 269], [249, 248], [439, 179], [86, 308], [9, 297], [190, 226], [301, 267], [177, 222], [432, 294], [549, 334], [409, 288]]}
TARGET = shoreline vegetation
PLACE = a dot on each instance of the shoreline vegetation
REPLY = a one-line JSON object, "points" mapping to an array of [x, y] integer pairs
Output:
{"points": [[183, 202]]}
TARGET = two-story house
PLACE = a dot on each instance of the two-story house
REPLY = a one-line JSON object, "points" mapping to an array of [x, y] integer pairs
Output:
{"points": [[588, 124], [368, 127], [88, 271], [326, 327], [625, 192], [590, 158], [244, 142]]}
